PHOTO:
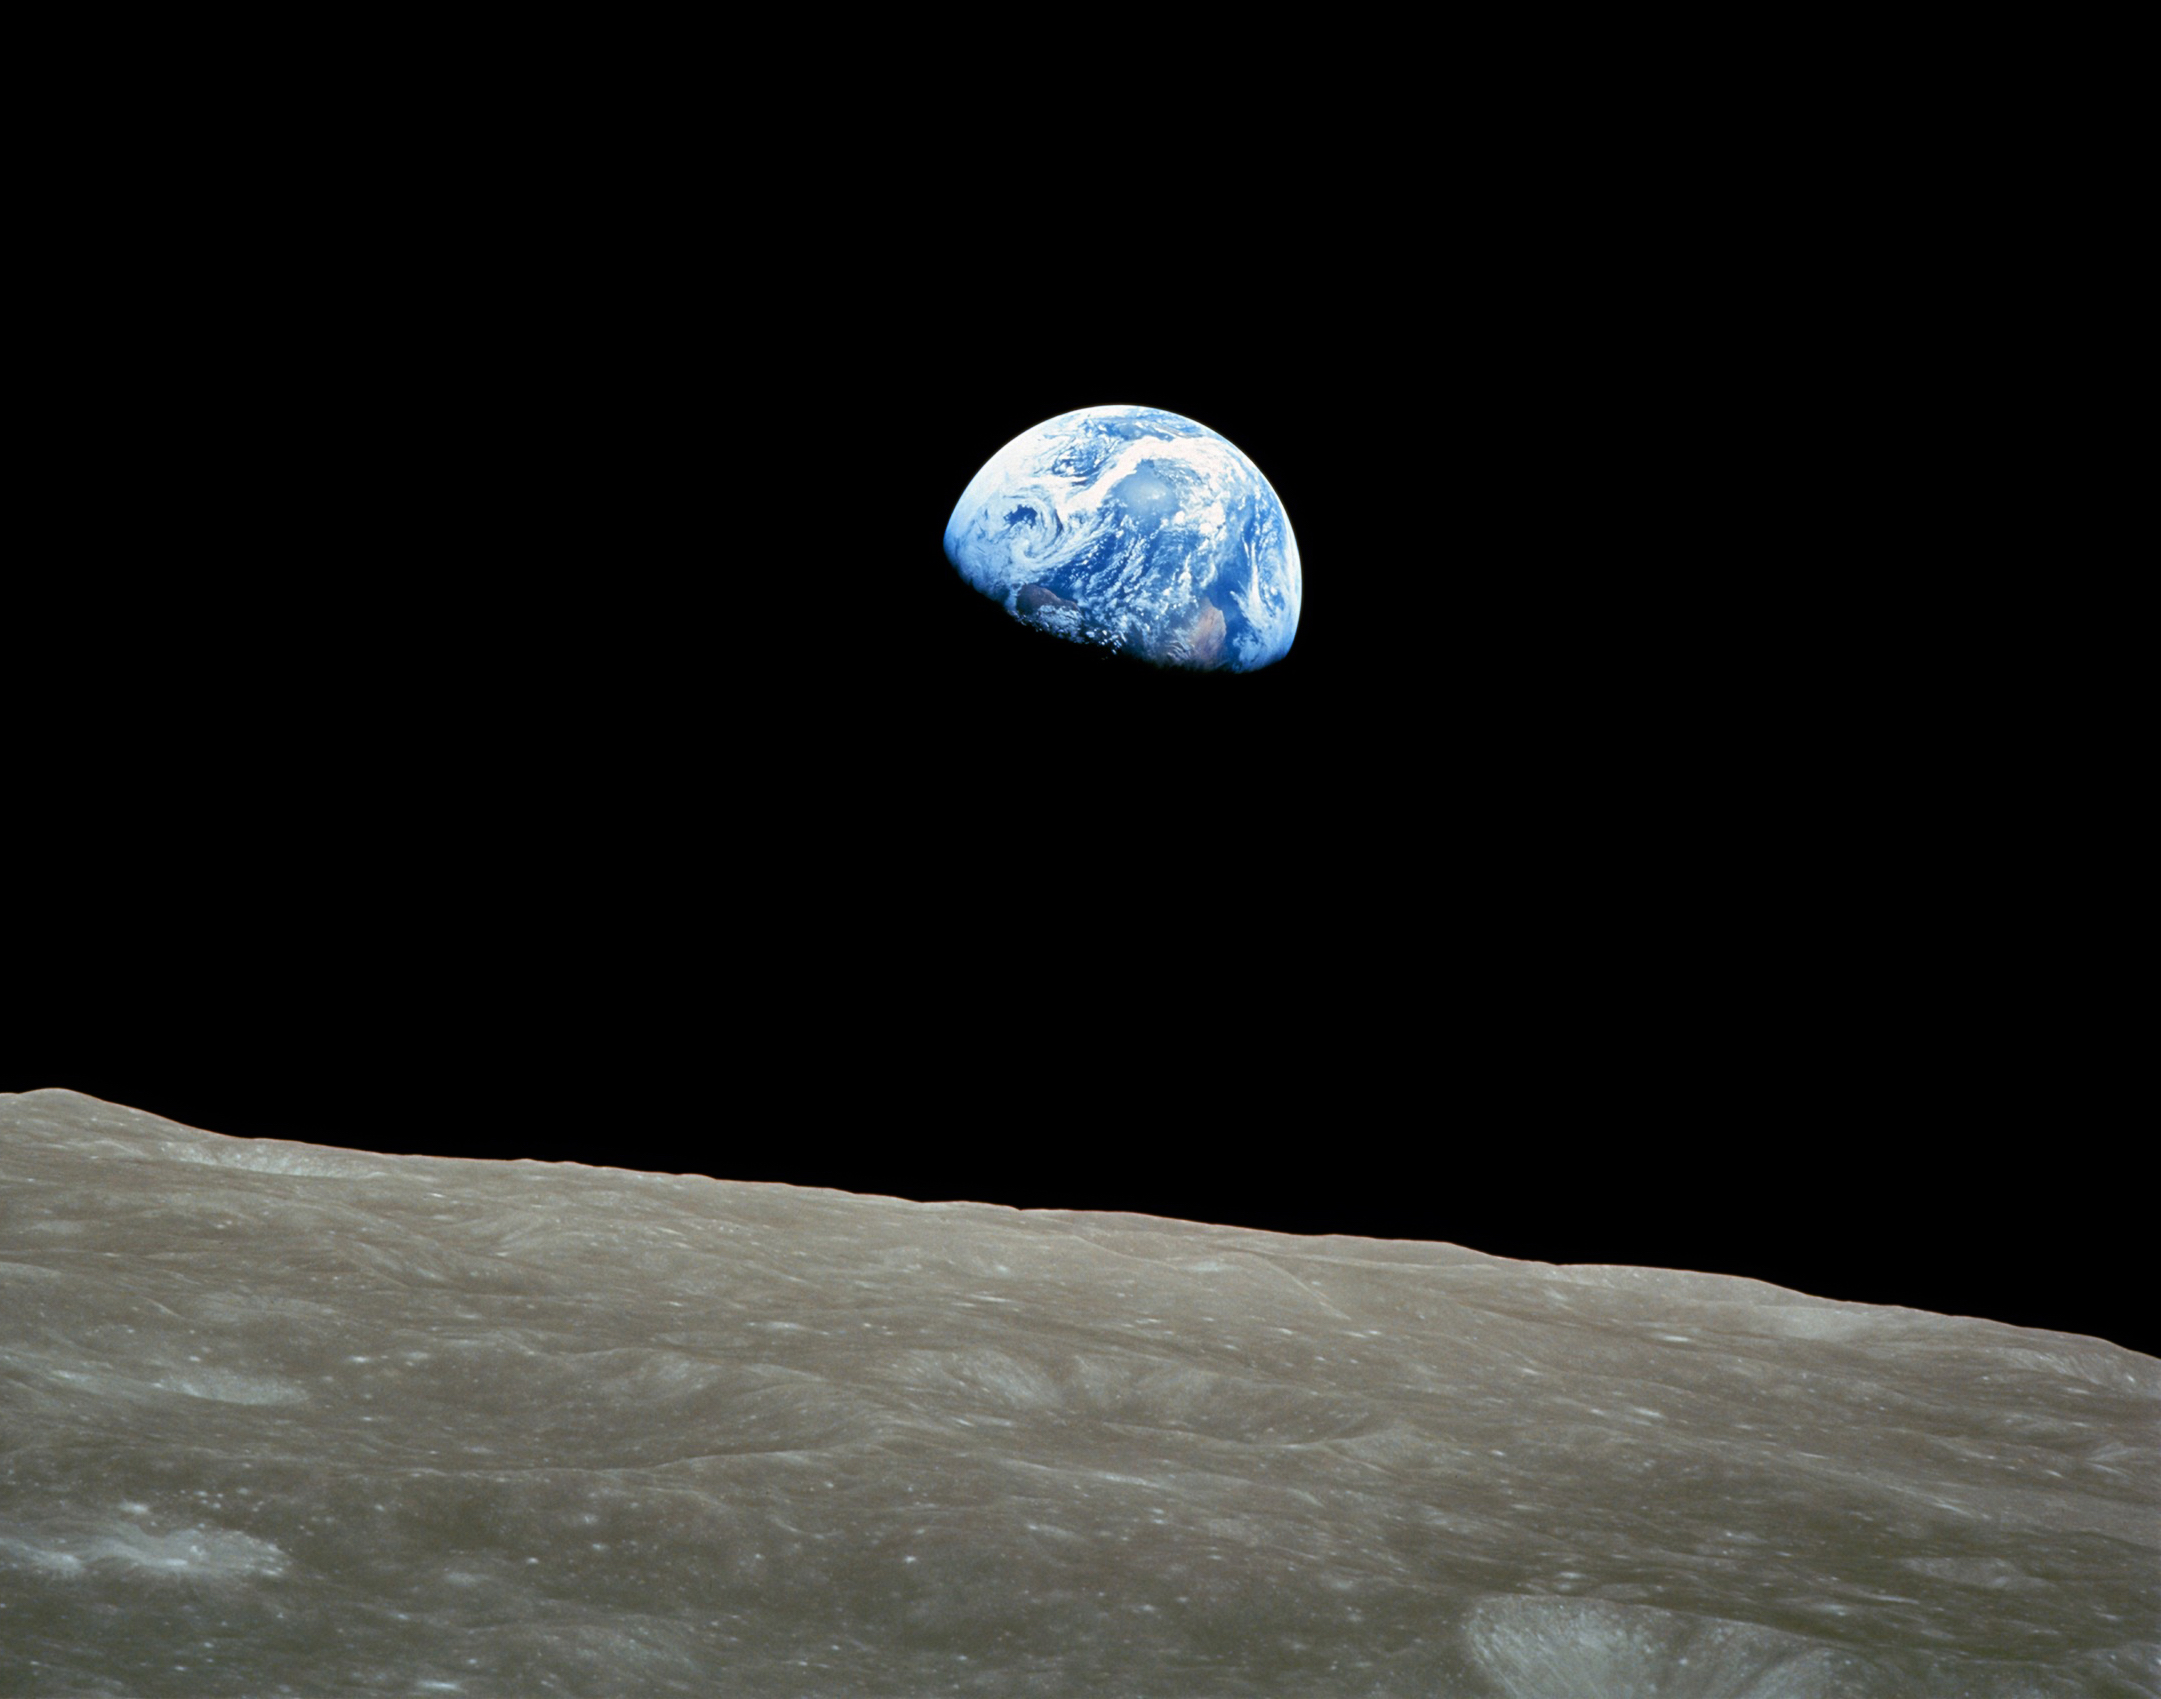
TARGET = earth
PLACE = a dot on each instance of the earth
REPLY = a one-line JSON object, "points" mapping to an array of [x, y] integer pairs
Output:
{"points": [[1136, 529]]}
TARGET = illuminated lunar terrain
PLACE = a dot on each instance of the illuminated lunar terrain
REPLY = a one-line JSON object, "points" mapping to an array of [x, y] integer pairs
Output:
{"points": [[281, 1419]]}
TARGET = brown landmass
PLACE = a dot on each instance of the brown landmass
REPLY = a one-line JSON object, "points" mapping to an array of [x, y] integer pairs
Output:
{"points": [[1202, 642], [1206, 637], [1034, 598]]}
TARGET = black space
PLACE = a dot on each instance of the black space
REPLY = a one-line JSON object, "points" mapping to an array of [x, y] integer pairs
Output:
{"points": [[548, 728]]}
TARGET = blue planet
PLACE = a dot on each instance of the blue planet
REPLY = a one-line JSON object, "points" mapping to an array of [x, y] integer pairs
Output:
{"points": [[1138, 530]]}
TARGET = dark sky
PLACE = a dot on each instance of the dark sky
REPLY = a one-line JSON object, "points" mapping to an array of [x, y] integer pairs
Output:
{"points": [[1654, 850]]}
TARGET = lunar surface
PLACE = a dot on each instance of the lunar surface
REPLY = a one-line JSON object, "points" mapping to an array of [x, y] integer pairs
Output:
{"points": [[280, 1419]]}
